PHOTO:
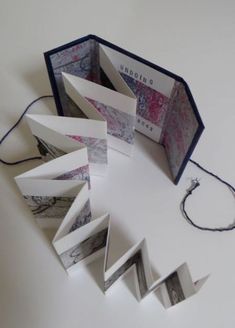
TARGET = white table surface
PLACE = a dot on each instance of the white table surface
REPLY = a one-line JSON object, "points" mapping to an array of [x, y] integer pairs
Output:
{"points": [[194, 39]]}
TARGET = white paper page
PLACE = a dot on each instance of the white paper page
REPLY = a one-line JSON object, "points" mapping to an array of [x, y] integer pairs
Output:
{"points": [[42, 187], [58, 166], [143, 280], [199, 283], [183, 285], [121, 146], [52, 137], [139, 71], [73, 126], [80, 200], [89, 89], [146, 263], [148, 129], [73, 91], [113, 75], [118, 109], [91, 258], [69, 134], [79, 235], [109, 271], [186, 280], [151, 87]]}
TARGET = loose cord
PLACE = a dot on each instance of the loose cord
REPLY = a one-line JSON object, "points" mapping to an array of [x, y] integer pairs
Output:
{"points": [[195, 184], [213, 175], [15, 125]]}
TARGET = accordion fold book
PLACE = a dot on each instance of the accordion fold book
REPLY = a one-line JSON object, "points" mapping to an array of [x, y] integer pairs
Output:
{"points": [[103, 94], [96, 80]]}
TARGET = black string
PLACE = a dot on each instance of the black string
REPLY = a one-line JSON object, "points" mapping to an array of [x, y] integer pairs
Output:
{"points": [[14, 126], [195, 184], [213, 175]]}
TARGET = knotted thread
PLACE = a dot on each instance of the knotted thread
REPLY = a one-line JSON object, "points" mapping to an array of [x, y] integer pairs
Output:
{"points": [[195, 184]]}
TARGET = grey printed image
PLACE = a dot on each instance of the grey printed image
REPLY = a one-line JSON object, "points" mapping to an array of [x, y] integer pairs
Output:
{"points": [[83, 217], [84, 249], [137, 260], [47, 151], [174, 288], [49, 207]]}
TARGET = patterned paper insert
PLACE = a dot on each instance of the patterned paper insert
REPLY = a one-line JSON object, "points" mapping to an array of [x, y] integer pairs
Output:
{"points": [[166, 112], [96, 148], [180, 128]]}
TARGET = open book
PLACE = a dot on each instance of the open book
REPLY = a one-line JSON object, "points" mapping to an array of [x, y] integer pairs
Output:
{"points": [[57, 193], [94, 79], [105, 93]]}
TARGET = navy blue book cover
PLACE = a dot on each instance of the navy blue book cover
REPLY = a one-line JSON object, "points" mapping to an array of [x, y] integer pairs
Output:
{"points": [[166, 111]]}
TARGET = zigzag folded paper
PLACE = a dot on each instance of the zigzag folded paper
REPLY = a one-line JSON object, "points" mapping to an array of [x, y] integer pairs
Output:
{"points": [[57, 192], [115, 104], [93, 78], [106, 93], [57, 136], [91, 240]]}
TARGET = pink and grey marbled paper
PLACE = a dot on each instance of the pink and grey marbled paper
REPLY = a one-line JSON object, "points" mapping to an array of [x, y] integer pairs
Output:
{"points": [[119, 124], [151, 104], [81, 60], [96, 148], [179, 129], [173, 121], [81, 173]]}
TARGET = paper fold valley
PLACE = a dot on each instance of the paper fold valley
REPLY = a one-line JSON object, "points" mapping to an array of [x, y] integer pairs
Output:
{"points": [[80, 239], [103, 93], [97, 80], [57, 193]]}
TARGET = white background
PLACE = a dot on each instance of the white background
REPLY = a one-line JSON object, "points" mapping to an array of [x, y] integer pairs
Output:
{"points": [[194, 39]]}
